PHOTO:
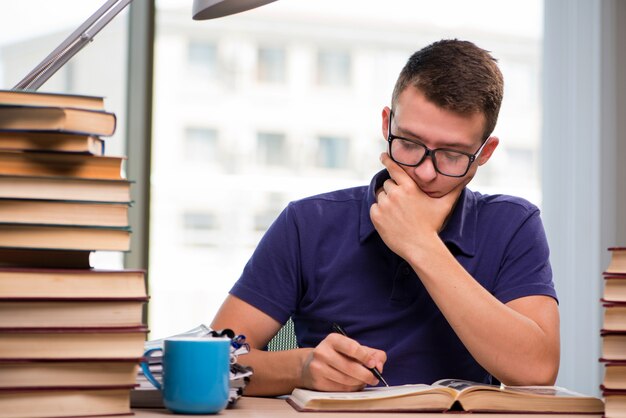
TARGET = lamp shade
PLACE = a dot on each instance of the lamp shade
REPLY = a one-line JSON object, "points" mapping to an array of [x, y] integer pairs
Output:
{"points": [[210, 9]]}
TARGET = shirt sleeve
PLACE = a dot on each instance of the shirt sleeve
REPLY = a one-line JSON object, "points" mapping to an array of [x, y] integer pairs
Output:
{"points": [[525, 268], [271, 279]]}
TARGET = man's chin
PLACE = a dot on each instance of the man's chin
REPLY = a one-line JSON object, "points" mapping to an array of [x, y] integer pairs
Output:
{"points": [[435, 194]]}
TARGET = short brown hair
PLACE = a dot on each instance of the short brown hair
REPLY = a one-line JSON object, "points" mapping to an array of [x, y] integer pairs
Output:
{"points": [[457, 76]]}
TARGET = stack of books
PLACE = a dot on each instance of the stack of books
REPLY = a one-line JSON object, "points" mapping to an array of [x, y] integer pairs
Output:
{"points": [[614, 334], [71, 336]]}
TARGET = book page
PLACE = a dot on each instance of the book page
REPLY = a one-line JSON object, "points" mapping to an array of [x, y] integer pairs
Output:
{"points": [[467, 386], [461, 385], [543, 391], [367, 393]]}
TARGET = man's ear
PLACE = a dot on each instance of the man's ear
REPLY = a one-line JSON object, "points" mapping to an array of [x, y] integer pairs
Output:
{"points": [[385, 120], [490, 147]]}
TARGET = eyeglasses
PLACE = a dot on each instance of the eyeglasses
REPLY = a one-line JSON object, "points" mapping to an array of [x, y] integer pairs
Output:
{"points": [[411, 153]]}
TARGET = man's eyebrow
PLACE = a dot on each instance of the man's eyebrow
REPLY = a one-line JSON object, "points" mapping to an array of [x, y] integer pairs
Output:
{"points": [[410, 134]]}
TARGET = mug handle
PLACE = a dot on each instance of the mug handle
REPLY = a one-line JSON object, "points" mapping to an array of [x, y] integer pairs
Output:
{"points": [[145, 367]]}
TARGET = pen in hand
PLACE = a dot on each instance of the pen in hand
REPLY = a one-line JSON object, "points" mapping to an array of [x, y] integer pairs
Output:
{"points": [[338, 329]]}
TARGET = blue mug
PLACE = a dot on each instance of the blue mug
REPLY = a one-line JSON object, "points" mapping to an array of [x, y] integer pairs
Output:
{"points": [[195, 374]]}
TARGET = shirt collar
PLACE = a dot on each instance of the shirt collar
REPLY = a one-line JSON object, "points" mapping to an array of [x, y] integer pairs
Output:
{"points": [[459, 232]]}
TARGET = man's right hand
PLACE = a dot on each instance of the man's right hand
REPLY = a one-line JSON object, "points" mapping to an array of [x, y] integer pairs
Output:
{"points": [[340, 364]]}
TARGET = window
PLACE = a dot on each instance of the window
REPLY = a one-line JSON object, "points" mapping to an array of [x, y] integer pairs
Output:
{"points": [[202, 58], [521, 165], [273, 204], [202, 221], [197, 227], [271, 65], [333, 68], [519, 76], [201, 145], [333, 152], [271, 149]]}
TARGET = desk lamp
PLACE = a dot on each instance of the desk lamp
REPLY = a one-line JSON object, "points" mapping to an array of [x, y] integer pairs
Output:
{"points": [[202, 9], [211, 9]]}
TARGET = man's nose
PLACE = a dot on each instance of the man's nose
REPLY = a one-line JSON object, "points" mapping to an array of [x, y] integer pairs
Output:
{"points": [[426, 170]]}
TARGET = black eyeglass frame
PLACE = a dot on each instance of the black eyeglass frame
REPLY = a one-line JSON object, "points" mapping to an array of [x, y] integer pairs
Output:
{"points": [[431, 152]]}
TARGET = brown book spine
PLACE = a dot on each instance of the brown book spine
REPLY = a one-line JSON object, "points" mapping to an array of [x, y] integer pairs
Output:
{"points": [[611, 303], [604, 332], [606, 391]]}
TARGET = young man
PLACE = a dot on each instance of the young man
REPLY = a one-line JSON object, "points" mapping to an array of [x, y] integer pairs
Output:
{"points": [[429, 279]]}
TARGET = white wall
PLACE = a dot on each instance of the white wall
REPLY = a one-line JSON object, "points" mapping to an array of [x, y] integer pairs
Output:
{"points": [[583, 193]]}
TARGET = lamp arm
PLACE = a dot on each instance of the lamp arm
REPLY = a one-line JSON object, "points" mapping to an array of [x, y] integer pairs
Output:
{"points": [[71, 45]]}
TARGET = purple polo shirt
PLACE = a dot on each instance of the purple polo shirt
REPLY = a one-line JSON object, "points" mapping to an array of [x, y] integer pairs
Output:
{"points": [[322, 261]]}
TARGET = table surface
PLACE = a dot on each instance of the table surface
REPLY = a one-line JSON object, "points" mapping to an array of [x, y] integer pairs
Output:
{"points": [[251, 407]]}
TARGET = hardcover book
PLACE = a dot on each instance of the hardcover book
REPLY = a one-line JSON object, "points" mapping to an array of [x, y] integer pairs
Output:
{"points": [[614, 375], [64, 237], [614, 316], [60, 164], [614, 287], [613, 345], [57, 119], [64, 188], [72, 343], [618, 260], [79, 402], [95, 284], [77, 312], [615, 403], [447, 395], [51, 142], [66, 373], [37, 98], [33, 258], [63, 212]]}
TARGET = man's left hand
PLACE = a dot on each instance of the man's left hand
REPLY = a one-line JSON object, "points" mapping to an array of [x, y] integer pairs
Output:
{"points": [[406, 218]]}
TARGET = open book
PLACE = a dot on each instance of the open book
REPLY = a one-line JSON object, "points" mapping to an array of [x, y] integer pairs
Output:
{"points": [[449, 394]]}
